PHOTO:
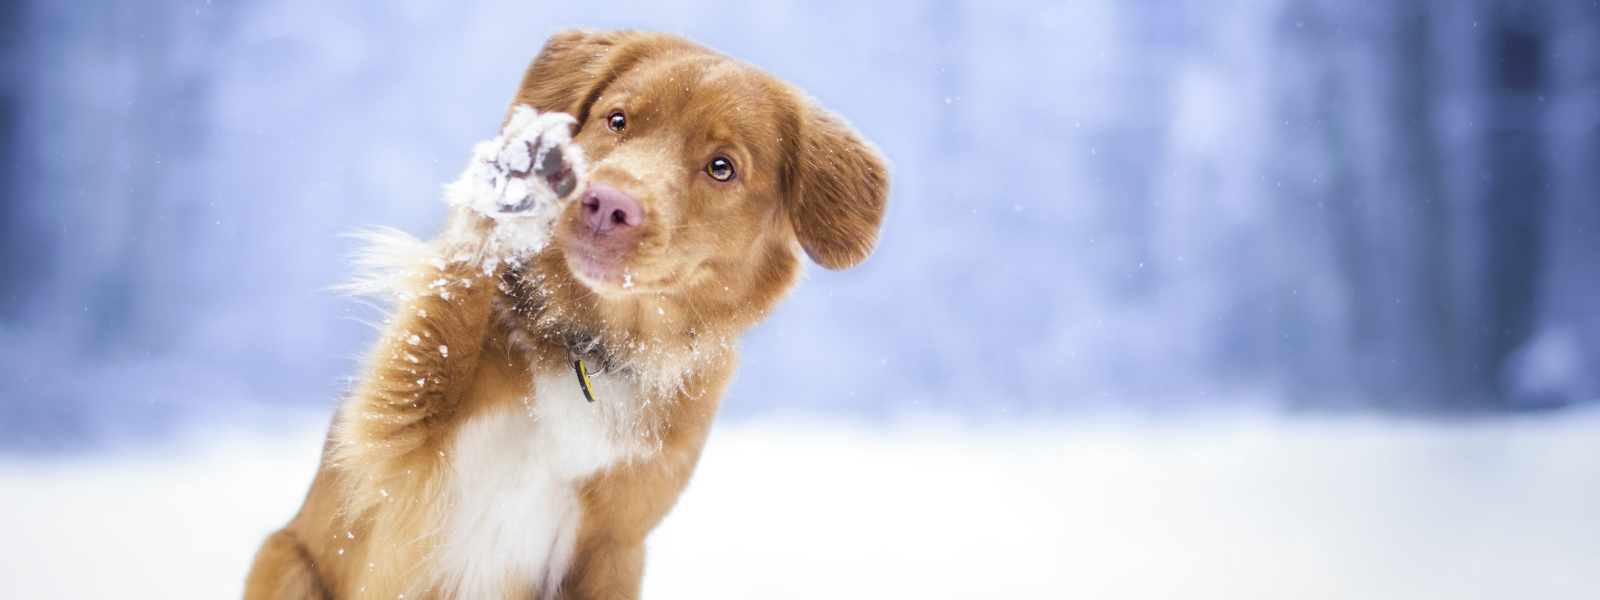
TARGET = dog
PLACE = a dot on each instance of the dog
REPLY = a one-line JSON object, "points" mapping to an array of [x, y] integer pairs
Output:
{"points": [[540, 395]]}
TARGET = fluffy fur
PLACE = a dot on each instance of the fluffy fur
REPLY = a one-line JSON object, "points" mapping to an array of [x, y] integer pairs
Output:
{"points": [[465, 463]]}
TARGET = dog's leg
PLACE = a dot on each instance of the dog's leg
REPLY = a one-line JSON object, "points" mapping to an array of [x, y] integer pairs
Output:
{"points": [[503, 206], [387, 450], [608, 562], [609, 569], [283, 571], [622, 505]]}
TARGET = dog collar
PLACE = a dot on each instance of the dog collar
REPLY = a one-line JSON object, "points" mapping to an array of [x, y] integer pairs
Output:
{"points": [[576, 354], [583, 379]]}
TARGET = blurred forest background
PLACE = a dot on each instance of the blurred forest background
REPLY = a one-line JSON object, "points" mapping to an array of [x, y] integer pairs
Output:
{"points": [[1099, 205]]}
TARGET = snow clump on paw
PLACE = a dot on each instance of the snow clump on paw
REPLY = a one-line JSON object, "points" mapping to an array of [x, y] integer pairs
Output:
{"points": [[513, 187]]}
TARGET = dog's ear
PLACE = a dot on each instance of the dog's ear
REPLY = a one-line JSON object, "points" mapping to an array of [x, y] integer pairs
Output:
{"points": [[838, 191], [574, 67]]}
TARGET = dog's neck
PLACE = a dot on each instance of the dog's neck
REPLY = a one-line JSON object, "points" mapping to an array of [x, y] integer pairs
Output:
{"points": [[656, 339], [547, 310]]}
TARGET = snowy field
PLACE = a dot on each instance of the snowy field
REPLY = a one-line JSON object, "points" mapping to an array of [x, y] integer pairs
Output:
{"points": [[1221, 507]]}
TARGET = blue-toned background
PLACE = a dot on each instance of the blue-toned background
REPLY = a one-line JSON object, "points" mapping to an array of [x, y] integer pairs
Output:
{"points": [[1097, 205], [1250, 299]]}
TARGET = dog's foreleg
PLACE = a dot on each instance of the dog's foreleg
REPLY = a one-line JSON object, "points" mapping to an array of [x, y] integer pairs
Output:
{"points": [[609, 562], [415, 376], [282, 571], [387, 451], [419, 370], [386, 455], [624, 504]]}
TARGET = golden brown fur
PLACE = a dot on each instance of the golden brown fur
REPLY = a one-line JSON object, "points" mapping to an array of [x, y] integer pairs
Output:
{"points": [[662, 306]]}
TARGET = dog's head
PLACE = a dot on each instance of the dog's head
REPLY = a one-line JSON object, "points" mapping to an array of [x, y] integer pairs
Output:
{"points": [[706, 173]]}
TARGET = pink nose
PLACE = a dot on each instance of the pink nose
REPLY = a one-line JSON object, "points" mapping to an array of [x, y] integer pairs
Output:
{"points": [[608, 210]]}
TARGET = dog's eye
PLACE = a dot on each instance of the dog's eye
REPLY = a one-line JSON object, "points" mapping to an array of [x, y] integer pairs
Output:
{"points": [[617, 122], [720, 169]]}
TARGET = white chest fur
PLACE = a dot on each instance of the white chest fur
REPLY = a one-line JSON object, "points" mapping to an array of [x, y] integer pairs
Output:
{"points": [[511, 512]]}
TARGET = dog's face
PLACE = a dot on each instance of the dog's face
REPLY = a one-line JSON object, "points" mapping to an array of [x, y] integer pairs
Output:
{"points": [[704, 172], [685, 161]]}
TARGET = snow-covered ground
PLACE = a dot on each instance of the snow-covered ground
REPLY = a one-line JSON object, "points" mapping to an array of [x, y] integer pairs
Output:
{"points": [[1216, 507]]}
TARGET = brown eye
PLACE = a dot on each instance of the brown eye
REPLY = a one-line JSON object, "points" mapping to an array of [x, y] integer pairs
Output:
{"points": [[720, 169], [617, 122]]}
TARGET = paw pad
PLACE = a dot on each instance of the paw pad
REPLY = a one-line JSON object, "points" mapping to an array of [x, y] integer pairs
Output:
{"points": [[534, 164], [514, 187]]}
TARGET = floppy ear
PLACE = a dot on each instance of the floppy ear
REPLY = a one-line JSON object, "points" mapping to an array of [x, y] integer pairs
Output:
{"points": [[839, 191], [574, 67]]}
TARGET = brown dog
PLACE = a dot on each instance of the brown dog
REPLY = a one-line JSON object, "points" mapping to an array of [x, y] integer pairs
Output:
{"points": [[469, 461]]}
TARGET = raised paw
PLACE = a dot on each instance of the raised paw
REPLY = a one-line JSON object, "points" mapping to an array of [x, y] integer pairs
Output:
{"points": [[535, 164], [513, 189]]}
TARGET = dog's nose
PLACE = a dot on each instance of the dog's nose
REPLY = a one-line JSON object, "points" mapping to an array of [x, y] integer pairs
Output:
{"points": [[607, 209]]}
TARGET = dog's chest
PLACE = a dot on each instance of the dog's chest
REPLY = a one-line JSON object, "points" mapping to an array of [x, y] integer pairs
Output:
{"points": [[510, 519]]}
